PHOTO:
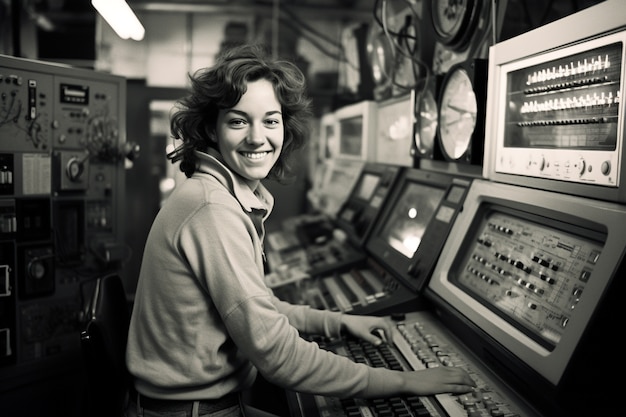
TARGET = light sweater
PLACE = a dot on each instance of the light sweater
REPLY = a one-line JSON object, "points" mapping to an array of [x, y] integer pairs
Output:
{"points": [[203, 320]]}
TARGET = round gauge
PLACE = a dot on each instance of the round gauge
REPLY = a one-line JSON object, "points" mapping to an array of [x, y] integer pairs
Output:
{"points": [[427, 122], [454, 21], [458, 110]]}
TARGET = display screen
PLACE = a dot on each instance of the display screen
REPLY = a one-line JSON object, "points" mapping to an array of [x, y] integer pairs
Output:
{"points": [[529, 270], [74, 94], [410, 216], [351, 136], [366, 186], [567, 103]]}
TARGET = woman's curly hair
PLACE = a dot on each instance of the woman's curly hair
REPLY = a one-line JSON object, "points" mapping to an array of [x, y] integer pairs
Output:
{"points": [[221, 87]]}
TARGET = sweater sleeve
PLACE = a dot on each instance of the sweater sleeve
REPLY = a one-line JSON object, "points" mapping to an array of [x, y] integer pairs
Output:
{"points": [[309, 320], [221, 245]]}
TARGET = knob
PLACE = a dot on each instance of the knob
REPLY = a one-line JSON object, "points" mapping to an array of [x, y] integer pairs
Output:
{"points": [[74, 169], [131, 150], [581, 166], [36, 269], [414, 270]]}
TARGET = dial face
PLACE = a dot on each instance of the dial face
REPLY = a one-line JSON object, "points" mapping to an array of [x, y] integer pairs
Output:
{"points": [[448, 17], [427, 122], [458, 110]]}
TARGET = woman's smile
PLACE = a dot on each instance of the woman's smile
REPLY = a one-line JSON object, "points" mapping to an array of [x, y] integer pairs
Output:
{"points": [[254, 155]]}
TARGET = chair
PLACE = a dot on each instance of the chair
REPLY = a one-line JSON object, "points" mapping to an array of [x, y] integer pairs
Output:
{"points": [[103, 343]]}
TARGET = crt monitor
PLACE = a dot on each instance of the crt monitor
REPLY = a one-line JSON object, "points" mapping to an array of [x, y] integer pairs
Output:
{"points": [[334, 179], [526, 273], [366, 185], [358, 214], [415, 222], [355, 126]]}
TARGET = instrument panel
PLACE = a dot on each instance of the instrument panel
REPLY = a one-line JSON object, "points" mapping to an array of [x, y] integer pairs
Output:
{"points": [[563, 118], [533, 272], [62, 177]]}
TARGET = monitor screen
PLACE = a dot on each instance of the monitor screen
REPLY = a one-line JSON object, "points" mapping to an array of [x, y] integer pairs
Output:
{"points": [[529, 271], [366, 186], [351, 139], [526, 268], [333, 182], [410, 215], [565, 103], [359, 212]]}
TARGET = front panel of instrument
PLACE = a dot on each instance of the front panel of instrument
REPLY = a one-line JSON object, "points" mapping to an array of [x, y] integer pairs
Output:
{"points": [[62, 136]]}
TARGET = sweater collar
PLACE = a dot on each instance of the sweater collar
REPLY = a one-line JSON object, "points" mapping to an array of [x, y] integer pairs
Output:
{"points": [[213, 164]]}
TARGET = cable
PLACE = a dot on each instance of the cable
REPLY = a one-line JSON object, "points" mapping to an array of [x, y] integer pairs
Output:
{"points": [[401, 44]]}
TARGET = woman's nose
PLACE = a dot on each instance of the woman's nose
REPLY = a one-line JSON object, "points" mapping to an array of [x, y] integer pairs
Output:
{"points": [[256, 135]]}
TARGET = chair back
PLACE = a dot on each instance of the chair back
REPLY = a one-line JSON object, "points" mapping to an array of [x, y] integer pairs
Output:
{"points": [[103, 343]]}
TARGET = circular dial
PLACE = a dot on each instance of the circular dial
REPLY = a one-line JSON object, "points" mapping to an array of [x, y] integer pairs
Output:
{"points": [[458, 110], [453, 20], [427, 122]]}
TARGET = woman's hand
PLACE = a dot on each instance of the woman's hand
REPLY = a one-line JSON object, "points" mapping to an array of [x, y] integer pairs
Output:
{"points": [[442, 379], [364, 326]]}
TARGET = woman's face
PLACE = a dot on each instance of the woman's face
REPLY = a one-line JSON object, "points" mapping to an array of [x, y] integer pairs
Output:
{"points": [[250, 135]]}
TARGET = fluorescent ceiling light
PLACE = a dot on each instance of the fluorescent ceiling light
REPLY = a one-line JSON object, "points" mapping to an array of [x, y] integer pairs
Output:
{"points": [[121, 18]]}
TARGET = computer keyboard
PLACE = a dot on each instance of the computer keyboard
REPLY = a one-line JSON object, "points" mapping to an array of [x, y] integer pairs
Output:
{"points": [[425, 348], [417, 344], [381, 357]]}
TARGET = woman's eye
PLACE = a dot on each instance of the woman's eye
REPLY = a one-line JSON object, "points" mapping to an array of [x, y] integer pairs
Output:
{"points": [[272, 122], [237, 122]]}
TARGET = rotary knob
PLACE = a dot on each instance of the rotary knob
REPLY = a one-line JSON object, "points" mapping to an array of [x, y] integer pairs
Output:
{"points": [[74, 169], [36, 269], [581, 167]]}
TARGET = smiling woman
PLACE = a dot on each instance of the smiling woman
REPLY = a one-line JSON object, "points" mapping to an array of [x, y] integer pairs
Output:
{"points": [[204, 323]]}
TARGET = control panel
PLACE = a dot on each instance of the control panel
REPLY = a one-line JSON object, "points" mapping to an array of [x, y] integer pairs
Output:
{"points": [[365, 288], [529, 271], [62, 167]]}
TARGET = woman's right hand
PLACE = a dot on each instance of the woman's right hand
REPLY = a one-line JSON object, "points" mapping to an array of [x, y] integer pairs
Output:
{"points": [[442, 379]]}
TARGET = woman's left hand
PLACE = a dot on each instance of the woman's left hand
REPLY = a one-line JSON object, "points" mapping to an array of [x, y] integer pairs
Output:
{"points": [[363, 327]]}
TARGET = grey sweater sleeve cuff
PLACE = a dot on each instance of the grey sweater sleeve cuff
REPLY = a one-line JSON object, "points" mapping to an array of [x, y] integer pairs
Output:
{"points": [[332, 324]]}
